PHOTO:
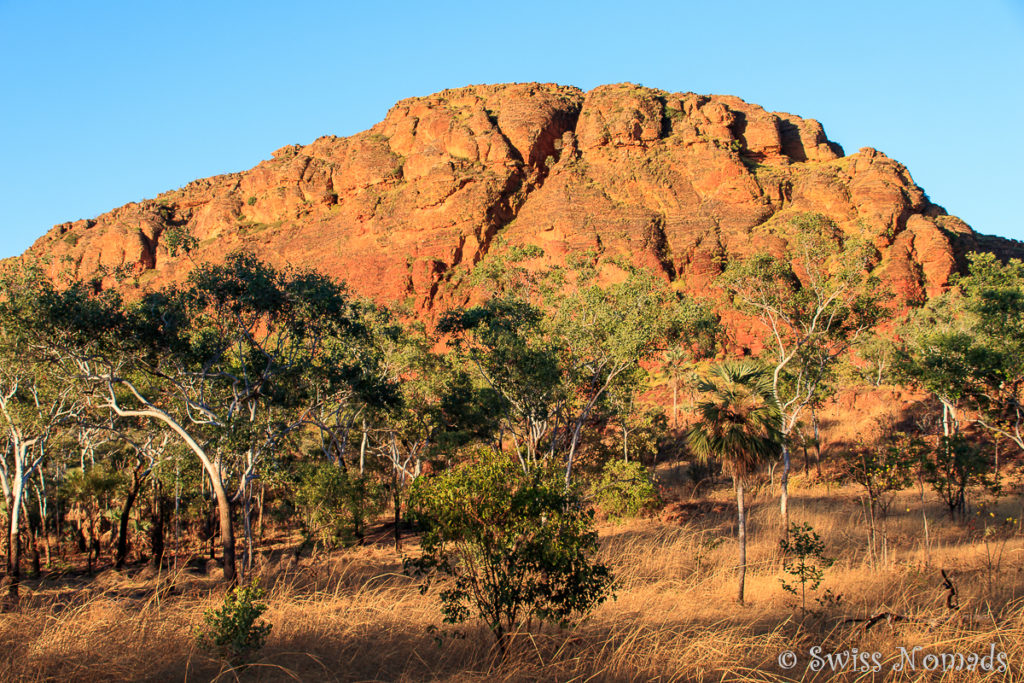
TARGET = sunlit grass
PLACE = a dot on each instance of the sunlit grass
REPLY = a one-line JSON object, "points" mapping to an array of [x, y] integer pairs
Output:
{"points": [[355, 616]]}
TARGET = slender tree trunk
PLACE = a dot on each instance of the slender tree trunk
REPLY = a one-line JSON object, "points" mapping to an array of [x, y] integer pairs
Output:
{"points": [[47, 548], [122, 523], [177, 515], [14, 542], [500, 638], [211, 533], [247, 558], [784, 484], [817, 440], [871, 527], [397, 499], [741, 525], [94, 546], [156, 536], [33, 543], [259, 513], [7, 526], [227, 534], [675, 404], [924, 516], [156, 531]]}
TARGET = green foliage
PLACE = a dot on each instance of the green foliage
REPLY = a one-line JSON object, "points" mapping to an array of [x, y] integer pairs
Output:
{"points": [[615, 326], [994, 302], [335, 504], [179, 239], [93, 486], [813, 302], [626, 489], [506, 342], [939, 351], [250, 201], [234, 631], [502, 270], [875, 362], [805, 561], [956, 465], [738, 423], [576, 353], [514, 546], [965, 347], [885, 468]]}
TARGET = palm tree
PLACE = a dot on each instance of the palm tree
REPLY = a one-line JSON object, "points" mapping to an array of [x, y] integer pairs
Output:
{"points": [[738, 426]]}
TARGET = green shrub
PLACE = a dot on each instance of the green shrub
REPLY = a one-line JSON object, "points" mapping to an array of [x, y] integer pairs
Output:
{"points": [[511, 546], [250, 201], [957, 465], [335, 504], [233, 630], [626, 489], [805, 561]]}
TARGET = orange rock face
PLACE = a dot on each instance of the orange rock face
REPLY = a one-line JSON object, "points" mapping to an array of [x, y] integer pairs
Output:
{"points": [[675, 182]]}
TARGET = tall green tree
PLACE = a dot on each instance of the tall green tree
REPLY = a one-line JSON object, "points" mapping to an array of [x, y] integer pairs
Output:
{"points": [[508, 344], [966, 348], [738, 426], [938, 354], [605, 332], [436, 412], [36, 403], [994, 297], [813, 301]]}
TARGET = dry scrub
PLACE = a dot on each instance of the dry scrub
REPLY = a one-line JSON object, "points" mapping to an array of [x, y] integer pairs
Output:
{"points": [[354, 616]]}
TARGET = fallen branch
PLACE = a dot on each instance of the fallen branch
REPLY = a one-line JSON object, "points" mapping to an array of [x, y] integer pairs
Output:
{"points": [[952, 604]]}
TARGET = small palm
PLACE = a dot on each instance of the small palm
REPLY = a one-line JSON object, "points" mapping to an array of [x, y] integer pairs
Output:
{"points": [[738, 427]]}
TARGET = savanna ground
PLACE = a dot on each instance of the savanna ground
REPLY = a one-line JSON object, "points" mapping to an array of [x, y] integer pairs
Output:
{"points": [[354, 616]]}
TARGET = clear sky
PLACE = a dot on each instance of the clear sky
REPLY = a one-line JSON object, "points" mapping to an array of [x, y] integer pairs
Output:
{"points": [[104, 103]]}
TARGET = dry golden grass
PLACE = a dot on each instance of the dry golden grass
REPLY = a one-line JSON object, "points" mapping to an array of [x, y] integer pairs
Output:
{"points": [[355, 617]]}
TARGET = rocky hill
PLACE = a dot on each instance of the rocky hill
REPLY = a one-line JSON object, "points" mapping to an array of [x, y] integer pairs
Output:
{"points": [[403, 211]]}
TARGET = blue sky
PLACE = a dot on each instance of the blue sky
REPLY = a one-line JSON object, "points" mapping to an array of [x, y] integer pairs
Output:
{"points": [[107, 103]]}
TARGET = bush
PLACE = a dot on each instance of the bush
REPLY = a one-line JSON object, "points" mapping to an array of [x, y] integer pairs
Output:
{"points": [[804, 559], [626, 489], [957, 465], [232, 630], [511, 546], [335, 504]]}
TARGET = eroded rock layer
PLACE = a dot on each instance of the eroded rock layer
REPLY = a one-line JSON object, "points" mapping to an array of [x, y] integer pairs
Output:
{"points": [[676, 182]]}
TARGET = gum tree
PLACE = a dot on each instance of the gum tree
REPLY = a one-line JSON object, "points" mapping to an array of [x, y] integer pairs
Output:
{"points": [[219, 362], [35, 403], [813, 301], [994, 297], [966, 346], [605, 332]]}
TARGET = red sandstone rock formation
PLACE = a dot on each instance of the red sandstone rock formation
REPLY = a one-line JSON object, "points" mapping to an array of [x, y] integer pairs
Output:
{"points": [[671, 181]]}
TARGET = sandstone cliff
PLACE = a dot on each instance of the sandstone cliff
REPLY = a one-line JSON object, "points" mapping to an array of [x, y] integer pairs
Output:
{"points": [[671, 181]]}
